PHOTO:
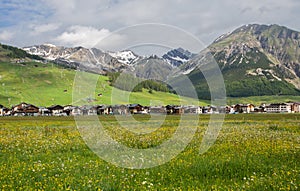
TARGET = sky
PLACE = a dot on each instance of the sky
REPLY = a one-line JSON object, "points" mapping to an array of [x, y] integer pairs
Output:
{"points": [[115, 24]]}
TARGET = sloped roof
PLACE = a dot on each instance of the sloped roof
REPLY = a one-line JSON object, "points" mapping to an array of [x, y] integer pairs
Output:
{"points": [[55, 107]]}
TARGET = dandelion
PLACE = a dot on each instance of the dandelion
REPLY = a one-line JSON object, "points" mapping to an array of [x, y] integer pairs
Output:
{"points": [[150, 185]]}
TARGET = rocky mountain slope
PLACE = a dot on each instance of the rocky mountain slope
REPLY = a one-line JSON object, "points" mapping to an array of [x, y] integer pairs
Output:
{"points": [[92, 60], [97, 61], [279, 44], [255, 60], [152, 67], [179, 56], [125, 56]]}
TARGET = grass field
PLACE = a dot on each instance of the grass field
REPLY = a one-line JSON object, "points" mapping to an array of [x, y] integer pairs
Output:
{"points": [[252, 152], [47, 84]]}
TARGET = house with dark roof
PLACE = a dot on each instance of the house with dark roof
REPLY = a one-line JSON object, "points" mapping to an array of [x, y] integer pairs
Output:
{"points": [[4, 111], [244, 108], [104, 110], [136, 108], [25, 109], [174, 109], [56, 110]]}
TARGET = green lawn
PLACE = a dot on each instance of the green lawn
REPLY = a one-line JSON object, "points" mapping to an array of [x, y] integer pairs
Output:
{"points": [[252, 152]]}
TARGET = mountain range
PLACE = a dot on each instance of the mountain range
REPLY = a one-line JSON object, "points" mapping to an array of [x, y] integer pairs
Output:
{"points": [[254, 59], [257, 60]]}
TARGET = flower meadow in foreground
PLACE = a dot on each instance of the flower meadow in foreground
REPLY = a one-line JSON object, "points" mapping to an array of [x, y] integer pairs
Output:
{"points": [[252, 152]]}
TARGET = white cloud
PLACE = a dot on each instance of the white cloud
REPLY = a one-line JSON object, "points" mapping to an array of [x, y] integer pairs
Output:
{"points": [[86, 36], [205, 19], [6, 35], [38, 29]]}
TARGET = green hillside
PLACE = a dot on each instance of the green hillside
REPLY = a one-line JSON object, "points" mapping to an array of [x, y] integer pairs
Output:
{"points": [[47, 84], [8, 53]]}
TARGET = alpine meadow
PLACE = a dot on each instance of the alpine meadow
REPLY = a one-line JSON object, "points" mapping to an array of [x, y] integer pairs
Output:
{"points": [[252, 152], [124, 95]]}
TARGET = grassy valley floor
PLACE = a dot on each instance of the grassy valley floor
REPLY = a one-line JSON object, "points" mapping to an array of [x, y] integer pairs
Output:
{"points": [[252, 152]]}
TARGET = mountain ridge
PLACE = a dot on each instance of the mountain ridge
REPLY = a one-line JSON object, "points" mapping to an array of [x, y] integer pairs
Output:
{"points": [[254, 59], [97, 61]]}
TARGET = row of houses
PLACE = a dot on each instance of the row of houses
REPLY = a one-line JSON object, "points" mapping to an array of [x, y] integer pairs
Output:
{"points": [[289, 107], [25, 109]]}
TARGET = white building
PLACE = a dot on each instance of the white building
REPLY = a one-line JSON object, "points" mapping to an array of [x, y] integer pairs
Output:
{"points": [[278, 108]]}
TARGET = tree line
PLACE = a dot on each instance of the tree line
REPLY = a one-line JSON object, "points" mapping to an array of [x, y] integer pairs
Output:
{"points": [[19, 53], [128, 82]]}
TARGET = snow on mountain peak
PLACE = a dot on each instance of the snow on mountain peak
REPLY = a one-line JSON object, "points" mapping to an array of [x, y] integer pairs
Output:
{"points": [[125, 56], [50, 45], [178, 56]]}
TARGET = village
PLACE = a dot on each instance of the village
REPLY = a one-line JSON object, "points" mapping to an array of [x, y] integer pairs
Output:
{"points": [[26, 109]]}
